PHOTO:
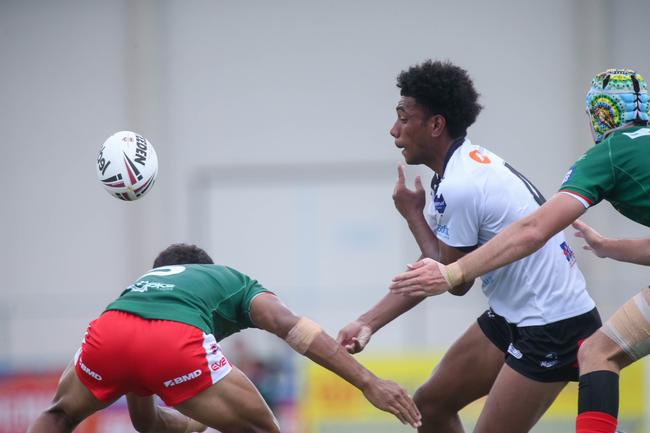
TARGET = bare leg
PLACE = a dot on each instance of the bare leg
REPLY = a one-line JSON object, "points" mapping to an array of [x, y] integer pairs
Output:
{"points": [[232, 405], [622, 339], [72, 404], [516, 403], [457, 381]]}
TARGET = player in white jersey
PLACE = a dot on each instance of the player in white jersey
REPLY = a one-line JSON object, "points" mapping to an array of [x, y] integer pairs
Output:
{"points": [[523, 349], [481, 194]]}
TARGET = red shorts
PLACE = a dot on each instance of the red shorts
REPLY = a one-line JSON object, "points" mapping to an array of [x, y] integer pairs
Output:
{"points": [[122, 353]]}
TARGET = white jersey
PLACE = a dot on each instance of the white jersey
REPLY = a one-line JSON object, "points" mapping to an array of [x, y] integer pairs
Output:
{"points": [[478, 196]]}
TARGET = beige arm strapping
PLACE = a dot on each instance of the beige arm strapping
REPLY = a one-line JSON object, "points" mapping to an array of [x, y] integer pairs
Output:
{"points": [[302, 334]]}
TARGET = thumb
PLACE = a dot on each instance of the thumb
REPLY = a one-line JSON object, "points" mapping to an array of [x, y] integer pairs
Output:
{"points": [[416, 265]]}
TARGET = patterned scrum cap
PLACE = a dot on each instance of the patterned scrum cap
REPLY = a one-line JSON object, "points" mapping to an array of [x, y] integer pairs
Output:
{"points": [[616, 97]]}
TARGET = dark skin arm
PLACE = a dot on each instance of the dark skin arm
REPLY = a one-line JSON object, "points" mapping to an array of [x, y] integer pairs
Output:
{"points": [[147, 417], [269, 313]]}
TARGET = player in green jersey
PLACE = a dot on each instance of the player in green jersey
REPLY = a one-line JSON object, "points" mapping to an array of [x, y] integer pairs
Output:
{"points": [[616, 170], [161, 337]]}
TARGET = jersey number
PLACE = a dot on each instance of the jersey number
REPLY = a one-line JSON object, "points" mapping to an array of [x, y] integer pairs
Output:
{"points": [[164, 271], [537, 196]]}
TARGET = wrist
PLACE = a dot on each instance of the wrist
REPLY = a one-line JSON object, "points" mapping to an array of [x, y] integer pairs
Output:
{"points": [[366, 380], [453, 274], [366, 320]]}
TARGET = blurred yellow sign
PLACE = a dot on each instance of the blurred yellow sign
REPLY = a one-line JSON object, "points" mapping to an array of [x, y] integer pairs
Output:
{"points": [[327, 398]]}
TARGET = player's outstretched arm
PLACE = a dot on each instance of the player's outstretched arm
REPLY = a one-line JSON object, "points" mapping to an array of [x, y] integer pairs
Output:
{"points": [[356, 335], [147, 417], [624, 250], [429, 278], [307, 338]]}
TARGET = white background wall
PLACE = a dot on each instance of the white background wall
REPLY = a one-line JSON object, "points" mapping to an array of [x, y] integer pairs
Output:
{"points": [[257, 90]]}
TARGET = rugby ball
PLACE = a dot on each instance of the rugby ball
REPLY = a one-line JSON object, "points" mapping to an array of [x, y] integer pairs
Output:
{"points": [[127, 165]]}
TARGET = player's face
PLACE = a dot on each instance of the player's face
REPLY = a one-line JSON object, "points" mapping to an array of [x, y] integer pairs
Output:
{"points": [[411, 131]]}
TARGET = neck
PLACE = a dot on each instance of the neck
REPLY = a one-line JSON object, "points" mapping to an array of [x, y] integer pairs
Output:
{"points": [[439, 157]]}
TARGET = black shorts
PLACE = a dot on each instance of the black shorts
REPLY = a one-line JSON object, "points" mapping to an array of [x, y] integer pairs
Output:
{"points": [[545, 353]]}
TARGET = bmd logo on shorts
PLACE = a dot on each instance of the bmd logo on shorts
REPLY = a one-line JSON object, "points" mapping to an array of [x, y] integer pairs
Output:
{"points": [[88, 371], [184, 378]]}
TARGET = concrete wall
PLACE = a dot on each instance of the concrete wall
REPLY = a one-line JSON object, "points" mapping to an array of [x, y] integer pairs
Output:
{"points": [[257, 89]]}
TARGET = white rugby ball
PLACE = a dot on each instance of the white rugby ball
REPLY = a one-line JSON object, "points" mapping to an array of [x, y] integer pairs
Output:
{"points": [[127, 165]]}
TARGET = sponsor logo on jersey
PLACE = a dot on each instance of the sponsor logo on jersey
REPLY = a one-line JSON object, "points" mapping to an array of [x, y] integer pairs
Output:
{"points": [[88, 371], [515, 352], [439, 203], [568, 253], [443, 230], [214, 348], [184, 378], [636, 134], [550, 360], [568, 175], [219, 364], [480, 157], [144, 285]]}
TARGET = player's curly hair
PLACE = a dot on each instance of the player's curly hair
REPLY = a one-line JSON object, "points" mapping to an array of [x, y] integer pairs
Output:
{"points": [[442, 88], [182, 254]]}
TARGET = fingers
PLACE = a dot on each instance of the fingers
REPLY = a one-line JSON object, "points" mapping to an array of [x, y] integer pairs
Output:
{"points": [[578, 224], [401, 176], [405, 409], [418, 184]]}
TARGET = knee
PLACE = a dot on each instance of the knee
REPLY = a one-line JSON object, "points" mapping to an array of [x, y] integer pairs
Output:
{"points": [[59, 417], [431, 408], [591, 353]]}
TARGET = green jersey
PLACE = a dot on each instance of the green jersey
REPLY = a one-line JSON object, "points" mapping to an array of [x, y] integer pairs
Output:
{"points": [[617, 170], [213, 298]]}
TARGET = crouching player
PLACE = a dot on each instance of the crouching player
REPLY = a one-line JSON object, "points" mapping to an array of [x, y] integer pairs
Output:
{"points": [[161, 337]]}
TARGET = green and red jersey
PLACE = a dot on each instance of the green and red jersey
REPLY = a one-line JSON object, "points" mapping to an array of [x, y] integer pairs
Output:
{"points": [[617, 170], [213, 298]]}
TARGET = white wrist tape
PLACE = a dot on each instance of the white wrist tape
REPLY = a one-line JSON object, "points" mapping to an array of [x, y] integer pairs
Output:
{"points": [[302, 334], [452, 274]]}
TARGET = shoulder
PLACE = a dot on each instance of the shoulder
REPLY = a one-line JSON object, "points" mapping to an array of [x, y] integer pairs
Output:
{"points": [[469, 168]]}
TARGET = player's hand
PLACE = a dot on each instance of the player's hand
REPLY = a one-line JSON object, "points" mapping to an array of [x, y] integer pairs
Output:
{"points": [[424, 278], [595, 241], [354, 336], [410, 203], [390, 397]]}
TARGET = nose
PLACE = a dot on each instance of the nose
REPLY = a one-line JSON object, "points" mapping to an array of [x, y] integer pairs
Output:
{"points": [[394, 131]]}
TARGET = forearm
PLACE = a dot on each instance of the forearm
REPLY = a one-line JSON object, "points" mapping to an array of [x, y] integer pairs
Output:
{"points": [[390, 307], [325, 351], [147, 417], [519, 240], [522, 237], [425, 238], [170, 421], [627, 250]]}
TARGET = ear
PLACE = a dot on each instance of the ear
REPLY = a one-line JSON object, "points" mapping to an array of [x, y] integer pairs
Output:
{"points": [[438, 125]]}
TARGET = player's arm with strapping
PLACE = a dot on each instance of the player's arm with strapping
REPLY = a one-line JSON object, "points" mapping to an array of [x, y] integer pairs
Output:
{"points": [[624, 250], [587, 182], [307, 338], [519, 240]]}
